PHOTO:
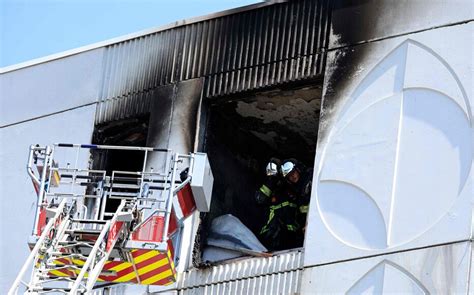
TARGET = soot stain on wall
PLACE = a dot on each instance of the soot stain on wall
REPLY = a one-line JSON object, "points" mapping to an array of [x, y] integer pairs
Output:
{"points": [[350, 20]]}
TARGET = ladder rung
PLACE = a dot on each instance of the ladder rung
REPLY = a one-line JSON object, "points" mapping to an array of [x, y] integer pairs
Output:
{"points": [[69, 195], [89, 183], [65, 255], [59, 267], [79, 243], [53, 289], [84, 231], [151, 200], [89, 221], [113, 194], [125, 185], [81, 176], [119, 198], [125, 178], [159, 188]]}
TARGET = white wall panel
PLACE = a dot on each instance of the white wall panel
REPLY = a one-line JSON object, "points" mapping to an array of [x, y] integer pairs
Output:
{"points": [[50, 87], [17, 195], [394, 166], [358, 21], [471, 273], [437, 270]]}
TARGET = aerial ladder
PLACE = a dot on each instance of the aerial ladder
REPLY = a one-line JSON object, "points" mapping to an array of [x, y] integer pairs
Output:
{"points": [[95, 227]]}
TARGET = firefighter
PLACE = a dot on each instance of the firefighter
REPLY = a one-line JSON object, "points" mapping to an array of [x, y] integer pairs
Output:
{"points": [[264, 194], [299, 180], [280, 230]]}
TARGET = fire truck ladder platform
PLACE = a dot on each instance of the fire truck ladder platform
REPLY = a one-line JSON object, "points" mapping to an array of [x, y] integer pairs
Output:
{"points": [[77, 240]]}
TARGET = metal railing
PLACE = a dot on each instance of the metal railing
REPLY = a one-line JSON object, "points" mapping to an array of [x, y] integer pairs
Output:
{"points": [[74, 198], [91, 189]]}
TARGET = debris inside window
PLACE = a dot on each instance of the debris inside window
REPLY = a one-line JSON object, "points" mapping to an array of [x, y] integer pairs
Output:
{"points": [[243, 136]]}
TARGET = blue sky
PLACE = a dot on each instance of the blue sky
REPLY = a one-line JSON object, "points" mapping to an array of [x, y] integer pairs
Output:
{"points": [[34, 28]]}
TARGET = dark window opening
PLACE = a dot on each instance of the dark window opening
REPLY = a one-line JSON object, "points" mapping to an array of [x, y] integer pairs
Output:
{"points": [[243, 134], [129, 132]]}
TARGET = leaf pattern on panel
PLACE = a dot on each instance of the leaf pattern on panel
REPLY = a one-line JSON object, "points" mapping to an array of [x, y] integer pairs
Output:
{"points": [[388, 277], [404, 140], [353, 212]]}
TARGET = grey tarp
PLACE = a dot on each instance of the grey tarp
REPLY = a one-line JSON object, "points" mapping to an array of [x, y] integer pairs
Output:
{"points": [[229, 238]]}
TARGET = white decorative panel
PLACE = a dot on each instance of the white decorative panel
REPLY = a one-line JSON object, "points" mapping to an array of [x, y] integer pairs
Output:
{"points": [[436, 270], [395, 168]]}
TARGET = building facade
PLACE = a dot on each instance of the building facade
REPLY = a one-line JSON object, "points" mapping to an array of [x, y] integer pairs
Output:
{"points": [[376, 95]]}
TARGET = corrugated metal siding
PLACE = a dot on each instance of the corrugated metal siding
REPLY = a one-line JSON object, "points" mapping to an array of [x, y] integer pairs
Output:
{"points": [[119, 289], [285, 283], [280, 274], [243, 51]]}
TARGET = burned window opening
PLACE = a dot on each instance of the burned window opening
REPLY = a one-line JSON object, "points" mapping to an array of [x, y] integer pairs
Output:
{"points": [[128, 132], [243, 134]]}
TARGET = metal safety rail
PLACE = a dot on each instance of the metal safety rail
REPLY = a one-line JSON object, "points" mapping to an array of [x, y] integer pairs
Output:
{"points": [[73, 233]]}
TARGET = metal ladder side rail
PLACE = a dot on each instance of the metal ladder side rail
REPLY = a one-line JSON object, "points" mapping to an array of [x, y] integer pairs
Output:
{"points": [[58, 237], [90, 259], [62, 244], [96, 253], [103, 198], [33, 157], [142, 174], [97, 270], [53, 254], [169, 199], [39, 275], [47, 160], [34, 253]]}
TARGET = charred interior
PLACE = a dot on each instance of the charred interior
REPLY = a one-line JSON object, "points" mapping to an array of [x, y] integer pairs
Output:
{"points": [[129, 132], [243, 134], [239, 134]]}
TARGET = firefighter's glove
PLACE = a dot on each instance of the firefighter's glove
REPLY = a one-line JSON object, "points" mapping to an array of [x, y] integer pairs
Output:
{"points": [[260, 198], [263, 194]]}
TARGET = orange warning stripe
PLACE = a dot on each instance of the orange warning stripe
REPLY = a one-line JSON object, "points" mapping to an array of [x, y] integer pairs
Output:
{"points": [[153, 268]]}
